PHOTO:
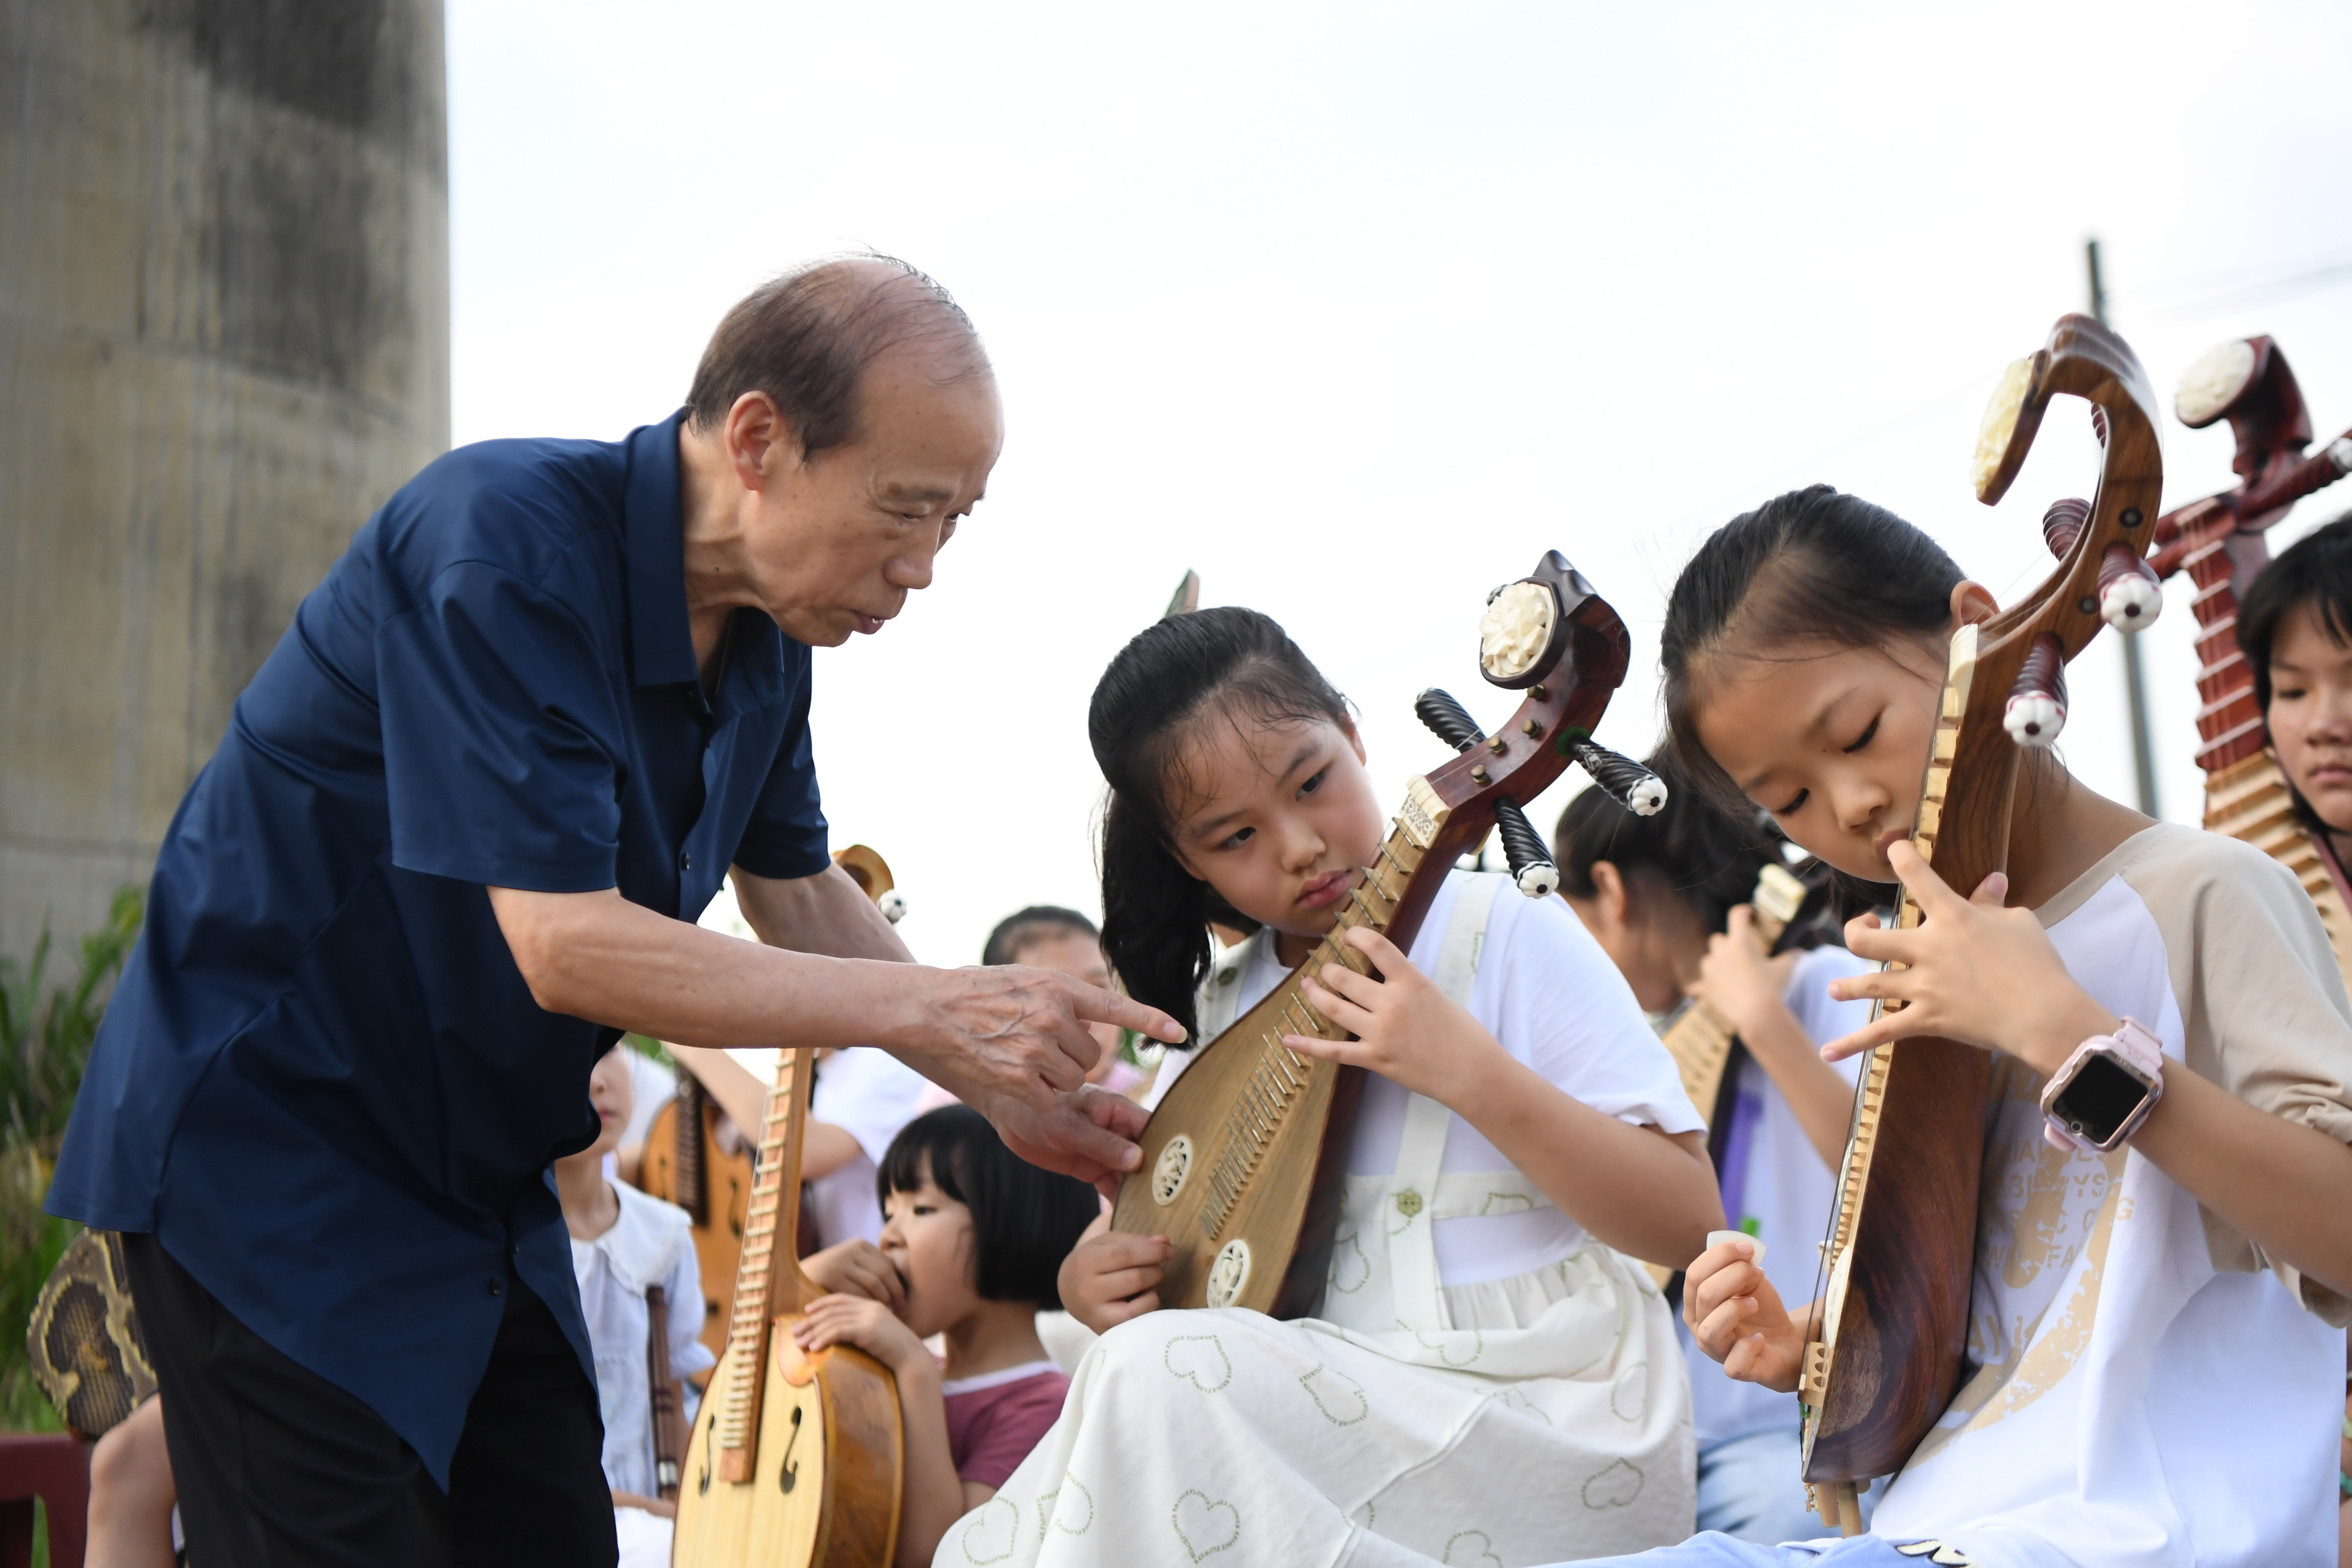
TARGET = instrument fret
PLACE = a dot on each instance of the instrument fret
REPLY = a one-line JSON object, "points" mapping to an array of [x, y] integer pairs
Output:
{"points": [[736, 1434]]}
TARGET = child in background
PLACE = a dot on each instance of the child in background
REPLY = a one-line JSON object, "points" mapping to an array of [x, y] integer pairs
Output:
{"points": [[1046, 936], [622, 1243], [977, 1234], [1666, 898], [2155, 1328], [2294, 627]]}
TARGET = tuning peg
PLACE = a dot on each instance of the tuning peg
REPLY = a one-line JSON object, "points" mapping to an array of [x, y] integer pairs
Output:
{"points": [[2037, 703], [1531, 863], [2130, 597], [2063, 524], [1631, 784], [893, 905], [1449, 719], [2099, 424]]}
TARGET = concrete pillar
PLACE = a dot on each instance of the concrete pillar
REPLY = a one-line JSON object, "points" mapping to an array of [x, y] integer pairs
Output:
{"points": [[223, 341]]}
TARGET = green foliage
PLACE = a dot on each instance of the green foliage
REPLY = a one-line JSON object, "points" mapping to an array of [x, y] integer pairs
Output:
{"points": [[45, 1038]]}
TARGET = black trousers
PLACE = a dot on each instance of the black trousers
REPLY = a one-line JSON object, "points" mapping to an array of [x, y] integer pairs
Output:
{"points": [[278, 1467]]}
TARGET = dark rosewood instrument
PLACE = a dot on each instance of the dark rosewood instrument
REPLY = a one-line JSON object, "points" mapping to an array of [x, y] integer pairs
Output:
{"points": [[1243, 1161], [2220, 543], [1892, 1325]]}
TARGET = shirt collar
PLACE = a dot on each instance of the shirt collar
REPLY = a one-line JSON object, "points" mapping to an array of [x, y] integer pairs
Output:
{"points": [[661, 643]]}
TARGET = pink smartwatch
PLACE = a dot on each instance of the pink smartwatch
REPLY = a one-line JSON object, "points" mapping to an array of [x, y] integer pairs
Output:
{"points": [[2102, 1092]]}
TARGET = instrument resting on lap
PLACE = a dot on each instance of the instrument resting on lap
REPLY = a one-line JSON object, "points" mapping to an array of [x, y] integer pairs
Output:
{"points": [[705, 1166], [1244, 1160], [795, 1459], [1891, 1331]]}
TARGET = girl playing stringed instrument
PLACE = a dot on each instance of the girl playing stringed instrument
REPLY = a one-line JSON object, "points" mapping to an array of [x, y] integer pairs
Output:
{"points": [[1545, 1409], [1667, 896], [2155, 1325]]}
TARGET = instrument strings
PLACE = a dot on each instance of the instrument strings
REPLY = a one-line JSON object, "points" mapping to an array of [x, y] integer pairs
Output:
{"points": [[1281, 1074]]}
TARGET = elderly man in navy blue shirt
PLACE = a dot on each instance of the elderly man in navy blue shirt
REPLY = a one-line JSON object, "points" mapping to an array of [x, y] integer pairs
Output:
{"points": [[454, 841]]}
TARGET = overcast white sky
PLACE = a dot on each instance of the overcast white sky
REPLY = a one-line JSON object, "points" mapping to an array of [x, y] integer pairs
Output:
{"points": [[1358, 308]]}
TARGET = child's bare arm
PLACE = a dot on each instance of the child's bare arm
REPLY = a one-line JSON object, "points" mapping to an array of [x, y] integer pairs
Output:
{"points": [[1748, 988], [933, 1495], [1991, 977], [1112, 1275], [1636, 1188]]}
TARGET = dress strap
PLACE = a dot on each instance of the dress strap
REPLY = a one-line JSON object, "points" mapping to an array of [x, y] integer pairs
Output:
{"points": [[1421, 1154]]}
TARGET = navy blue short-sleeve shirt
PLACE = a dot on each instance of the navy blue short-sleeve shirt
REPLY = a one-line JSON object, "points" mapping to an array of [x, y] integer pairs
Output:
{"points": [[321, 1082]]}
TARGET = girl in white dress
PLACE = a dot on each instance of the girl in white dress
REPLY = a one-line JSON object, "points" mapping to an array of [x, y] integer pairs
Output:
{"points": [[1487, 1381]]}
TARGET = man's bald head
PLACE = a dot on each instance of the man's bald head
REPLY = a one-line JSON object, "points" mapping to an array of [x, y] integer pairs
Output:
{"points": [[808, 338]]}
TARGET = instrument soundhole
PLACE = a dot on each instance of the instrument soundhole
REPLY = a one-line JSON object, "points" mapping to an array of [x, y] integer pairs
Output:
{"points": [[1170, 1171], [1229, 1274], [789, 1476]]}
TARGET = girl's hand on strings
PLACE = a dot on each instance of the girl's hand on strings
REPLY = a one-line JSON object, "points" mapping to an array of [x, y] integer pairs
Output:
{"points": [[1406, 1029], [1972, 971], [1112, 1275], [869, 1325], [1736, 1316], [1736, 979]]}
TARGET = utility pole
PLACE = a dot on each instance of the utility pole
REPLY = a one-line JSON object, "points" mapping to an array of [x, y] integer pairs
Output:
{"points": [[2135, 685]]}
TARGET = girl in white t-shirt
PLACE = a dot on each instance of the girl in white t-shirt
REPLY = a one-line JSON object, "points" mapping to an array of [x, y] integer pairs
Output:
{"points": [[624, 1244], [2153, 1330], [1666, 898], [1488, 1379]]}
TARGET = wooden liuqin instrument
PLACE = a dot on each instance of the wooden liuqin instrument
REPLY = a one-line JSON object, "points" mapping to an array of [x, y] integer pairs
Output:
{"points": [[795, 1459], [1243, 1161], [2220, 543], [687, 1163], [1892, 1329]]}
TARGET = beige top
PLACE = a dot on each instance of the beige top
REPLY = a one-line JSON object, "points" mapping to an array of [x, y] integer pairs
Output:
{"points": [[2263, 1008], [2148, 1389]]}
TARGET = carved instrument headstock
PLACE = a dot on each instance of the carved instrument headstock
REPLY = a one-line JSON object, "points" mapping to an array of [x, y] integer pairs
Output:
{"points": [[2100, 544], [1550, 635]]}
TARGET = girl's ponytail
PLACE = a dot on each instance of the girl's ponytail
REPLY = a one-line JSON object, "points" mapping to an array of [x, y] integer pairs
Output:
{"points": [[1230, 662]]}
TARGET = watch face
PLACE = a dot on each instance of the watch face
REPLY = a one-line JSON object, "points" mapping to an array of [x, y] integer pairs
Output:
{"points": [[2102, 1096]]}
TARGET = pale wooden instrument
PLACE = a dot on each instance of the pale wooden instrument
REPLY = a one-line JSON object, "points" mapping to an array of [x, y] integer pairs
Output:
{"points": [[1891, 1331], [795, 1459], [1700, 1038], [685, 1162], [1243, 1159]]}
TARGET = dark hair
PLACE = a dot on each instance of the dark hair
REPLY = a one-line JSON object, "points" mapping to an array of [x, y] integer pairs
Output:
{"points": [[2315, 571], [1811, 566], [1707, 856], [1024, 1220], [805, 339], [1038, 922], [1239, 663]]}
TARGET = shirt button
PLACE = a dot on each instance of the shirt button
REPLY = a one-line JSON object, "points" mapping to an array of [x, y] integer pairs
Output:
{"points": [[685, 860], [498, 1287], [1408, 1203]]}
